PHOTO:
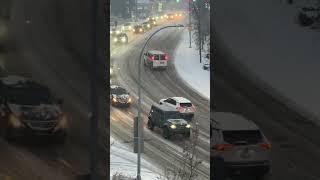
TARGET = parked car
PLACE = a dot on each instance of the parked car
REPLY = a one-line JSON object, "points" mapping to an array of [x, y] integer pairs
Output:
{"points": [[308, 15], [28, 108], [156, 59], [240, 143], [169, 120], [183, 105]]}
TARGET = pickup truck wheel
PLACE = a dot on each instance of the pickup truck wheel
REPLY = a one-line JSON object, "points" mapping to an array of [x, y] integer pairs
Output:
{"points": [[150, 125], [166, 133]]}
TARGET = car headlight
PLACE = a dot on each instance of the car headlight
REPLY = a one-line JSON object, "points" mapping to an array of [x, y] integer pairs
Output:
{"points": [[115, 40], [129, 100], [130, 27], [154, 22], [111, 32], [62, 123], [148, 25], [188, 126], [123, 39], [117, 32], [140, 30], [111, 71], [173, 126], [134, 30], [15, 121], [114, 99]]}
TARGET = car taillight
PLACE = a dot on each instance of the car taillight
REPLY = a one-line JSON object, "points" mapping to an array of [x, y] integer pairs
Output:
{"points": [[166, 57], [222, 147], [265, 146], [151, 58], [179, 108]]}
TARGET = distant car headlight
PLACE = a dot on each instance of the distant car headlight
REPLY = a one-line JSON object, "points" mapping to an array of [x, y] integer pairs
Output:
{"points": [[148, 19], [134, 30], [114, 99], [117, 32], [111, 71], [15, 122], [148, 25], [188, 126], [157, 17], [154, 23], [115, 40], [129, 100], [176, 14], [161, 17], [130, 27], [140, 29], [173, 126], [62, 123], [122, 27], [123, 39]]}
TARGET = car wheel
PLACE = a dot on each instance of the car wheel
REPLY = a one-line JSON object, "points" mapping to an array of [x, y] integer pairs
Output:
{"points": [[187, 134], [60, 139], [150, 125], [166, 133]]}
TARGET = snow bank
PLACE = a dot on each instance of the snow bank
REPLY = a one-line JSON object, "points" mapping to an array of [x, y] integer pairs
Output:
{"points": [[264, 36], [123, 161], [188, 66]]}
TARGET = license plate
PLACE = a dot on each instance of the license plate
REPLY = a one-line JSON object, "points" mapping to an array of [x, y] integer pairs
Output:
{"points": [[161, 62]]}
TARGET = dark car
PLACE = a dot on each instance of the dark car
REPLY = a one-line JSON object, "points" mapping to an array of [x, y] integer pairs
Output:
{"points": [[119, 96], [152, 22], [146, 25], [170, 16], [138, 29], [29, 109], [121, 38], [169, 120]]}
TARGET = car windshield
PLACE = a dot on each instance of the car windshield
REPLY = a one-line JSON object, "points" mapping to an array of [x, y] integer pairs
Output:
{"points": [[118, 91], [173, 115], [29, 96], [243, 136]]}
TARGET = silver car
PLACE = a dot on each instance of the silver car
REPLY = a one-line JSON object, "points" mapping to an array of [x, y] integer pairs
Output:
{"points": [[240, 143]]}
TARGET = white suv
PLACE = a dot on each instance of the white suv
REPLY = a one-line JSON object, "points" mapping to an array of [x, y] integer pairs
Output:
{"points": [[156, 59], [240, 143], [182, 104]]}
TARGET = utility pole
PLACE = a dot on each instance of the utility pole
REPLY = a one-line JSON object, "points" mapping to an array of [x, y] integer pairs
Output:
{"points": [[93, 115]]}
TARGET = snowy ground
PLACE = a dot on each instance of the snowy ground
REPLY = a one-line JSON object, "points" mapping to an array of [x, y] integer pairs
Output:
{"points": [[188, 66], [123, 161], [264, 36]]}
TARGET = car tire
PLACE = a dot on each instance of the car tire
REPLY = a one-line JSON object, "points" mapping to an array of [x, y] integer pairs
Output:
{"points": [[150, 125], [166, 133], [8, 135], [60, 139], [187, 134]]}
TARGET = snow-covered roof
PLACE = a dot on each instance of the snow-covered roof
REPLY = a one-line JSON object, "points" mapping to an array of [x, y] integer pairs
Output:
{"points": [[231, 121], [155, 52], [181, 99]]}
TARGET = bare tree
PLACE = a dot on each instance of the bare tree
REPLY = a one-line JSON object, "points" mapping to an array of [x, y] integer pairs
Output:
{"points": [[187, 168]]}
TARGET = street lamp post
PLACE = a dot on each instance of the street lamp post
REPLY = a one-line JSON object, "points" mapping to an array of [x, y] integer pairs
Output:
{"points": [[140, 127]]}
